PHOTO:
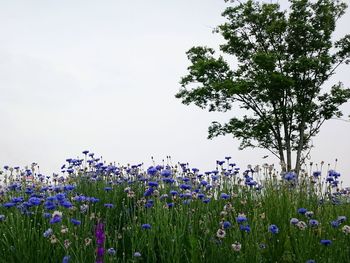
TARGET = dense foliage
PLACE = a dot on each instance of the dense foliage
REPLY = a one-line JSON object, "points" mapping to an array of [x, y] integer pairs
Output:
{"points": [[274, 65]]}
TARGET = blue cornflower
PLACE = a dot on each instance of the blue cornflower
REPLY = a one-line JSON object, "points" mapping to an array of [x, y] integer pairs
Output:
{"points": [[273, 229], [111, 251], [60, 197], [9, 204], [94, 199], [2, 218], [109, 205], [201, 196], [204, 183], [153, 184], [152, 170], [75, 222], [17, 199], [214, 177], [244, 228], [170, 205], [146, 226], [316, 173], [206, 201], [35, 201], [290, 176], [226, 224], [302, 211], [166, 173], [55, 219], [108, 188], [66, 204], [341, 219], [68, 188], [148, 205], [48, 233], [224, 196], [85, 152], [47, 215], [49, 205], [313, 223], [137, 254], [294, 221], [66, 259], [241, 219], [185, 187], [220, 162], [310, 261], [326, 242], [335, 223]]}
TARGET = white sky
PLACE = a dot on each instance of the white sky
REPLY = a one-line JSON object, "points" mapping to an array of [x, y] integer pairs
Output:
{"points": [[102, 75]]}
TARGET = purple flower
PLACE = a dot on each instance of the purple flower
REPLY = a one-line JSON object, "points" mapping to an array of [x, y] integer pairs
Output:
{"points": [[290, 176], [294, 221], [302, 211], [153, 184], [341, 219], [9, 204], [66, 204], [66, 259], [100, 239], [75, 222], [55, 219], [316, 174], [99, 234], [224, 196], [273, 229], [241, 219], [244, 228], [109, 205], [166, 173], [313, 223], [48, 233], [326, 242], [111, 251], [226, 224], [335, 223], [146, 226]]}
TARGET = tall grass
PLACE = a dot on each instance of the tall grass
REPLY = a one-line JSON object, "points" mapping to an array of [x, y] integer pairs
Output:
{"points": [[173, 214]]}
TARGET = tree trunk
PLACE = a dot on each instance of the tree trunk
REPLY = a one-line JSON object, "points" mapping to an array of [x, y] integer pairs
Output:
{"points": [[288, 147], [300, 147]]}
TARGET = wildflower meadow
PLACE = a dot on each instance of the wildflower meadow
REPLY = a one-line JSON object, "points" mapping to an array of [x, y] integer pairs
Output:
{"points": [[96, 211]]}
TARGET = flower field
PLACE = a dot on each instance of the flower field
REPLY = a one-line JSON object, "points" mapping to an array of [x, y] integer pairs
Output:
{"points": [[95, 211]]}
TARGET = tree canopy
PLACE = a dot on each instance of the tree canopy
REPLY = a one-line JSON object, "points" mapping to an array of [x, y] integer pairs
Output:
{"points": [[284, 59]]}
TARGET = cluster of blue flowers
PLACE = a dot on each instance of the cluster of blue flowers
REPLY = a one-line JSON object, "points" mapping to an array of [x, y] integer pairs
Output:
{"points": [[170, 186]]}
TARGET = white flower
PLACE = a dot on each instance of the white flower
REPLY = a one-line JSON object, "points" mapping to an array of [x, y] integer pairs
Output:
{"points": [[309, 214], [56, 213], [221, 233], [236, 246], [346, 229], [294, 221], [301, 225]]}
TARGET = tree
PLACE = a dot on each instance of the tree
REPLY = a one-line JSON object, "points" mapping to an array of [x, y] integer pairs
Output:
{"points": [[283, 61]]}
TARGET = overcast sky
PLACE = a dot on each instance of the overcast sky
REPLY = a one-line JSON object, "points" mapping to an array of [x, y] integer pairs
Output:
{"points": [[102, 75]]}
